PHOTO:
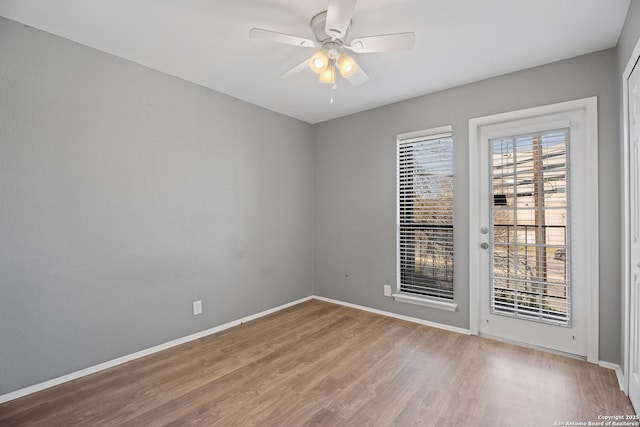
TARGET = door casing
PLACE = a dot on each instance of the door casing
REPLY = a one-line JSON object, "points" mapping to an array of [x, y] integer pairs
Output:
{"points": [[626, 225]]}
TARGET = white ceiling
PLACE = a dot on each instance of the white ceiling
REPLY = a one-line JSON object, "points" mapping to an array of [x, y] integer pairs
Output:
{"points": [[207, 42]]}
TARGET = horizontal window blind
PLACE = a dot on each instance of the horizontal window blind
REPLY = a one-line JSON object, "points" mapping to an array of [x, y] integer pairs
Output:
{"points": [[530, 274], [425, 214]]}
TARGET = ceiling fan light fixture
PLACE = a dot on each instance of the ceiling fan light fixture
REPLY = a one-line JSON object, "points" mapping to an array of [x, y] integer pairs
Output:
{"points": [[346, 65], [328, 75], [319, 61], [330, 29]]}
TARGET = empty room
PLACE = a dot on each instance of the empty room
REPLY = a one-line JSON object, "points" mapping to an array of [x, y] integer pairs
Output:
{"points": [[330, 212]]}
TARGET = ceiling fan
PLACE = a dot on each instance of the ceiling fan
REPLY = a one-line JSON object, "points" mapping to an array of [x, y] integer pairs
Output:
{"points": [[330, 29]]}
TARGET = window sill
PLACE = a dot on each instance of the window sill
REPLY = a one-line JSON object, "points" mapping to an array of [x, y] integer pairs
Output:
{"points": [[427, 302]]}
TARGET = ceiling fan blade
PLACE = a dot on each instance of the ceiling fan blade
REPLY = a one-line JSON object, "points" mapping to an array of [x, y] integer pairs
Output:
{"points": [[339, 14], [295, 70], [358, 77], [272, 36], [384, 43]]}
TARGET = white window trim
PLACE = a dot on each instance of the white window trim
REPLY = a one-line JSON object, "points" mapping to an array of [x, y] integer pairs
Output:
{"points": [[425, 301], [398, 296], [590, 106], [425, 133]]}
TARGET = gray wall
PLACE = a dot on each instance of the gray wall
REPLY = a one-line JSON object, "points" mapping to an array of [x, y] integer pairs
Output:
{"points": [[355, 185], [127, 194]]}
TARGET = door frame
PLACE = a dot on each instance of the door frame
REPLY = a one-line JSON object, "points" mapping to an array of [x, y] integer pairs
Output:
{"points": [[590, 108], [626, 217]]}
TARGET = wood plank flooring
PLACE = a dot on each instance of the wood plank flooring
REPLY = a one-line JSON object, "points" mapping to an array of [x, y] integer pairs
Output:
{"points": [[323, 364]]}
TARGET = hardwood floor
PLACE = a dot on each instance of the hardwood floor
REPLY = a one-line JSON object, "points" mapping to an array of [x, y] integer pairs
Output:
{"points": [[323, 364]]}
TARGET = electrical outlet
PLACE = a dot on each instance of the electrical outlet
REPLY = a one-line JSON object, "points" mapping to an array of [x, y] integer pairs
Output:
{"points": [[387, 290], [197, 307]]}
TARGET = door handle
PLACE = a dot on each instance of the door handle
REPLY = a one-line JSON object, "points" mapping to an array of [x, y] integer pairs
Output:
{"points": [[484, 245]]}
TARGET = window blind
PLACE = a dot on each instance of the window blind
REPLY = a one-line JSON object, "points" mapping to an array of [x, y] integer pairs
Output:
{"points": [[425, 214], [530, 234]]}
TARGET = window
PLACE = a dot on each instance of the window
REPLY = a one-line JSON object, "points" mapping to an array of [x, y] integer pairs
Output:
{"points": [[425, 215], [529, 274]]}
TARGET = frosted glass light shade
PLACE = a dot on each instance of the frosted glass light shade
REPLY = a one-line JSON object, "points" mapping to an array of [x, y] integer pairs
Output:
{"points": [[346, 65], [328, 75], [319, 61]]}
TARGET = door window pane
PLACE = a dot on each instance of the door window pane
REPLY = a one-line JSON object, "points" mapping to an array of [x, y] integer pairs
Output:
{"points": [[529, 273]]}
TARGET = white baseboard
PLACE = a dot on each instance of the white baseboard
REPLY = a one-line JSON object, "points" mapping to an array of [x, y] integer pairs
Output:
{"points": [[618, 371], [533, 347], [120, 360], [397, 316], [115, 362]]}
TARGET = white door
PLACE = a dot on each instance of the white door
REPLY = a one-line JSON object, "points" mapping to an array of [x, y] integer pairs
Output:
{"points": [[633, 96], [533, 238]]}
